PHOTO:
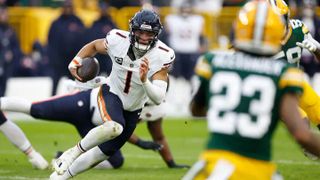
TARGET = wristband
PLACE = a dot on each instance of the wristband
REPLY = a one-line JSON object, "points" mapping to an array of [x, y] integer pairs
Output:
{"points": [[75, 62]]}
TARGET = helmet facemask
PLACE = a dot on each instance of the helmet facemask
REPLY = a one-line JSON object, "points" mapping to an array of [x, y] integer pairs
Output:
{"points": [[136, 38]]}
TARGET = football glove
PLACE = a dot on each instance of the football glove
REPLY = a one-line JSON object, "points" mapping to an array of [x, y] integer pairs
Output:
{"points": [[149, 145], [172, 164], [309, 43], [310, 155]]}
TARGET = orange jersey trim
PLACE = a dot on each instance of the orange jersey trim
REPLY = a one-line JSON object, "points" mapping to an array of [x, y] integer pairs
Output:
{"points": [[76, 62], [102, 107]]}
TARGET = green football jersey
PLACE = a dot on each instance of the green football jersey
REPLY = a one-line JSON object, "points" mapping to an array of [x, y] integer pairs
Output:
{"points": [[243, 96], [289, 49]]}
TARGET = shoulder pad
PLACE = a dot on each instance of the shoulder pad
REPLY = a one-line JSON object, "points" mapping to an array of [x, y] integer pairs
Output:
{"points": [[166, 53], [208, 57], [292, 77], [115, 36], [203, 67]]}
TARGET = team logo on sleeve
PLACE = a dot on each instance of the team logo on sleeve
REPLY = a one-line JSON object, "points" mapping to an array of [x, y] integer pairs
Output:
{"points": [[118, 60]]}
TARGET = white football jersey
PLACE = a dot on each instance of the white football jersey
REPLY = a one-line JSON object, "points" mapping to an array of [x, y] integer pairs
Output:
{"points": [[185, 32], [124, 79]]}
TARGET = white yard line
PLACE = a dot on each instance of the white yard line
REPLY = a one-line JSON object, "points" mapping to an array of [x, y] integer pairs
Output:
{"points": [[281, 161], [308, 163], [21, 178], [4, 171]]}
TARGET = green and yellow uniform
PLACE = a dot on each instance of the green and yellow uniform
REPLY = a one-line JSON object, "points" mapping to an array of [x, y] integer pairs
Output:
{"points": [[309, 101], [243, 95], [289, 50]]}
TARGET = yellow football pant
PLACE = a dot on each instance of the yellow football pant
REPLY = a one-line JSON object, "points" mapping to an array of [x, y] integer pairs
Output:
{"points": [[219, 164], [310, 103]]}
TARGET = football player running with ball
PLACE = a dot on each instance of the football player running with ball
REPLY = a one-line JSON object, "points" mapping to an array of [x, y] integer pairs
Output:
{"points": [[245, 94], [84, 114], [137, 56]]}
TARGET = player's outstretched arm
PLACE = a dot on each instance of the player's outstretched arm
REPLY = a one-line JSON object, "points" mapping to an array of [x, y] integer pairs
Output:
{"points": [[296, 126], [148, 145], [155, 129]]}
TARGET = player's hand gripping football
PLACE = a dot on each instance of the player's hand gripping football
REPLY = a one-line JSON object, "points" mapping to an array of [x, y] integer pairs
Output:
{"points": [[309, 43], [144, 68], [73, 68]]}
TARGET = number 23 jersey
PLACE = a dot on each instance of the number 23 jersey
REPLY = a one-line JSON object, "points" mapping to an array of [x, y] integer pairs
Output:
{"points": [[243, 98], [124, 79]]}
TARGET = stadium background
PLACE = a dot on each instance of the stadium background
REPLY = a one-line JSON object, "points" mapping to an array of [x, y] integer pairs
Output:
{"points": [[32, 24], [186, 136]]}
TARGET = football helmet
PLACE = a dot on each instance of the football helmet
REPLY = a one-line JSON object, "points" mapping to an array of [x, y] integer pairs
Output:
{"points": [[145, 20], [258, 29], [280, 7]]}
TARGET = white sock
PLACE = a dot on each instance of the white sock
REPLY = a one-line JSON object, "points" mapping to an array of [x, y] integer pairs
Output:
{"points": [[100, 134], [16, 136], [15, 104], [86, 160], [104, 165]]}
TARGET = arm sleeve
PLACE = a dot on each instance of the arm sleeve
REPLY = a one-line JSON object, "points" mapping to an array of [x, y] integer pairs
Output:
{"points": [[156, 90]]}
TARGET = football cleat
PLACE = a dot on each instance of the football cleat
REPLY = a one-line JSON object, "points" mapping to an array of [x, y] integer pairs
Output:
{"points": [[65, 160], [53, 160], [55, 176], [37, 160]]}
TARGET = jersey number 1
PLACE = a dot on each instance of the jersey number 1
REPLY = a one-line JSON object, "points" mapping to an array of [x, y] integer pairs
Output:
{"points": [[128, 82]]}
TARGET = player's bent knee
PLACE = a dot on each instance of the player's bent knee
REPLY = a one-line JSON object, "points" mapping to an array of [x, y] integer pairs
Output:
{"points": [[116, 162], [3, 119], [113, 128], [37, 111]]}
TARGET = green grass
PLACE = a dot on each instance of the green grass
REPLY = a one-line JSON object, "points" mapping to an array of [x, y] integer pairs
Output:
{"points": [[186, 138]]}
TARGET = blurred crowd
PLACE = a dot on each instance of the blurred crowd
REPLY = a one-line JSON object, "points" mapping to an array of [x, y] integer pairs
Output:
{"points": [[183, 31]]}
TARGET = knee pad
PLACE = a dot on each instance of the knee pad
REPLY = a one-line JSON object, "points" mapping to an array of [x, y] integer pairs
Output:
{"points": [[100, 134], [113, 128]]}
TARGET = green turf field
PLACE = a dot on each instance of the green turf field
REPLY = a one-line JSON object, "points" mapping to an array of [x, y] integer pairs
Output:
{"points": [[186, 138]]}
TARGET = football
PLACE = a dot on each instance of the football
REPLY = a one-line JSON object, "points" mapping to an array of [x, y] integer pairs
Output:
{"points": [[90, 69]]}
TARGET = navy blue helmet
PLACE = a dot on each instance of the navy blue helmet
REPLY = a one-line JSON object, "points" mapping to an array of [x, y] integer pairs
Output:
{"points": [[145, 20]]}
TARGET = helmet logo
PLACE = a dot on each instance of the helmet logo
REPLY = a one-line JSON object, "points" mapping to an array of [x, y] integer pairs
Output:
{"points": [[146, 27]]}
